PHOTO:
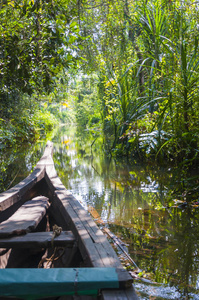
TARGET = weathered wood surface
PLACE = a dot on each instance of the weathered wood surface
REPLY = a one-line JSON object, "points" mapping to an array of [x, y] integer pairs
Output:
{"points": [[125, 294], [39, 240], [26, 218], [17, 192]]}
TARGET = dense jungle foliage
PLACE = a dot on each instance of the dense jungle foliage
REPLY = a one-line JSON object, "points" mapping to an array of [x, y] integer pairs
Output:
{"points": [[126, 69], [36, 42]]}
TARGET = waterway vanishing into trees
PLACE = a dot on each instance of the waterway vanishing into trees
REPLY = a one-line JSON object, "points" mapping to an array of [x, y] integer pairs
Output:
{"points": [[143, 205]]}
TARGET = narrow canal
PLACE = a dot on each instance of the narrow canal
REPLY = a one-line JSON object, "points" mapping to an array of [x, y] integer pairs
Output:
{"points": [[141, 204]]}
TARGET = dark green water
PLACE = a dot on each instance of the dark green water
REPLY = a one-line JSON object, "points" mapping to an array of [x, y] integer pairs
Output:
{"points": [[140, 204]]}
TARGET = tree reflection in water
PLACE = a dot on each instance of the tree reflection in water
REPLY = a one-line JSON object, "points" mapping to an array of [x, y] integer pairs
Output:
{"points": [[138, 204]]}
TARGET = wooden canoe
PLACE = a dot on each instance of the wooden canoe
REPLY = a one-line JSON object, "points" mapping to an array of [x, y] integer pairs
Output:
{"points": [[50, 248]]}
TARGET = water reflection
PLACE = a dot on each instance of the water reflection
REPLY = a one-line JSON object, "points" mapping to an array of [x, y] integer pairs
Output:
{"points": [[17, 163], [138, 203]]}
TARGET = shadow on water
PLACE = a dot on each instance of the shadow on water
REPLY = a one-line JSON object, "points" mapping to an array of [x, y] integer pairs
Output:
{"points": [[145, 206]]}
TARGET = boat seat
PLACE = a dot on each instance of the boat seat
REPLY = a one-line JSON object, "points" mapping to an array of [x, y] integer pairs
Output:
{"points": [[39, 240], [43, 283], [26, 218]]}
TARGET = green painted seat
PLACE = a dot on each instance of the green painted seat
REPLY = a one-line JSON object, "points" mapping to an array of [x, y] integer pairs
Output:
{"points": [[40, 283]]}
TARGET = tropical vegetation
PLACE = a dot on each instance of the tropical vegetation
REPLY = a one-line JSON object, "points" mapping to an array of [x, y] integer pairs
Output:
{"points": [[36, 43], [145, 55], [126, 69]]}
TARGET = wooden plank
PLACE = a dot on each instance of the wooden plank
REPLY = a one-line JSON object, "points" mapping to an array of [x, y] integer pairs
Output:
{"points": [[17, 192], [76, 297], [104, 249], [56, 281], [85, 243], [26, 218], [124, 294], [39, 240]]}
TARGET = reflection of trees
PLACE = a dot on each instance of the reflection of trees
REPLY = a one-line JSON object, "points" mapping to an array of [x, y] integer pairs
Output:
{"points": [[143, 220], [186, 236], [16, 164], [164, 245]]}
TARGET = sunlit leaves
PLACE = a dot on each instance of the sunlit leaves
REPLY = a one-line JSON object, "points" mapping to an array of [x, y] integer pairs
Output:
{"points": [[37, 40]]}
